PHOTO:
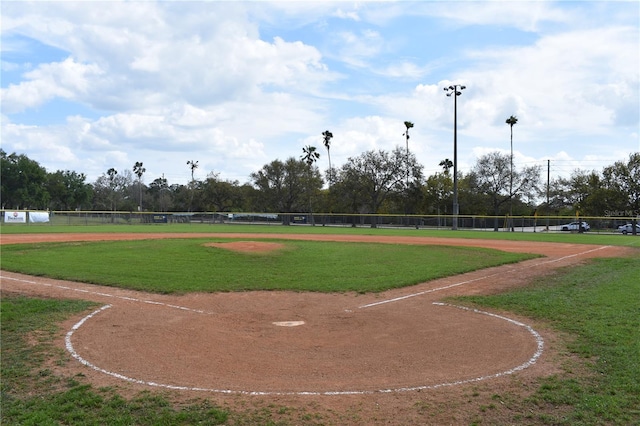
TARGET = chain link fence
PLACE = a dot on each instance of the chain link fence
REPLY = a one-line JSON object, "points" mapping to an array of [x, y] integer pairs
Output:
{"points": [[605, 224]]}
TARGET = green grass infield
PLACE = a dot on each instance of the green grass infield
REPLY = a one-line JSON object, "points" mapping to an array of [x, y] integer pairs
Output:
{"points": [[190, 265]]}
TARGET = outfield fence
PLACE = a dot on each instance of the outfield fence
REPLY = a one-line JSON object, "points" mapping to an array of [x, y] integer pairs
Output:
{"points": [[602, 224]]}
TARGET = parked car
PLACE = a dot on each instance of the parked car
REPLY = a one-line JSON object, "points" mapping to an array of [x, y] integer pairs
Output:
{"points": [[575, 226], [628, 229]]}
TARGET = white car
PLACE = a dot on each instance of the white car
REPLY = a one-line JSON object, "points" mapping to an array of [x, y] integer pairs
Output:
{"points": [[628, 229], [575, 226]]}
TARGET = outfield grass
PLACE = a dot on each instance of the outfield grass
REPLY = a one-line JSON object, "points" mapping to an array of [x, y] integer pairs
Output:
{"points": [[598, 305], [188, 265], [559, 237]]}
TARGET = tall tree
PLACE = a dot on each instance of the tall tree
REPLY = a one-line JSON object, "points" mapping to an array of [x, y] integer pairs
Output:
{"points": [[109, 190], [491, 175], [584, 188], [193, 165], [374, 176], [23, 182], [138, 170], [586, 193], [161, 194], [68, 190], [438, 192], [270, 184], [221, 195], [181, 197], [113, 184], [624, 178], [281, 186], [438, 189], [326, 140], [310, 156], [446, 165]]}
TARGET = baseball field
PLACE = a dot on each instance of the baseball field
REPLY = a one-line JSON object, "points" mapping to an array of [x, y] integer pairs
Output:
{"points": [[244, 325]]}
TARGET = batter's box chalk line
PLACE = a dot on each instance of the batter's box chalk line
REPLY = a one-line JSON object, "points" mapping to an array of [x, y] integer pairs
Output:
{"points": [[527, 364]]}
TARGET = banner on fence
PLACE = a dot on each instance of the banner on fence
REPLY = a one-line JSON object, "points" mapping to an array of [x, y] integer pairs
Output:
{"points": [[38, 217], [159, 218], [15, 217], [299, 219]]}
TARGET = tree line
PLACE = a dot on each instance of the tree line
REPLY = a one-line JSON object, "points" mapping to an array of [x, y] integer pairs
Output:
{"points": [[374, 182]]}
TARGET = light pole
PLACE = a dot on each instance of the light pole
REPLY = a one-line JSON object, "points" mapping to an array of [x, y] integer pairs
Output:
{"points": [[408, 125], [511, 121], [455, 90]]}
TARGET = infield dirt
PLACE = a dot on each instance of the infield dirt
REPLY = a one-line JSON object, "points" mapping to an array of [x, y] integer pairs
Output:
{"points": [[392, 358]]}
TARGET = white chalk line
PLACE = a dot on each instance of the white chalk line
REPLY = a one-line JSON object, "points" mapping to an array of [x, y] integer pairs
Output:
{"points": [[97, 293], [528, 363], [484, 277]]}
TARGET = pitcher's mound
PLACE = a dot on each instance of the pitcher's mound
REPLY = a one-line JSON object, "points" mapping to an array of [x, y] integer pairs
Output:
{"points": [[249, 246]]}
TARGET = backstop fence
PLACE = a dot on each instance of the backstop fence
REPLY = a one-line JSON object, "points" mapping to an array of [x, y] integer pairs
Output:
{"points": [[594, 224]]}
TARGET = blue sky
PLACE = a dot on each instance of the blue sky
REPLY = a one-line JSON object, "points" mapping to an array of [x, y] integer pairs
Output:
{"points": [[89, 85]]}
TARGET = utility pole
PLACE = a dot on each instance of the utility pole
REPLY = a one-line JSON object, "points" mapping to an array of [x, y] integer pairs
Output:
{"points": [[548, 175]]}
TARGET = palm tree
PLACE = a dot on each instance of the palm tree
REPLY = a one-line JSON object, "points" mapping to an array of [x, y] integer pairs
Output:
{"points": [[310, 156], [139, 171], [327, 136], [112, 187], [446, 165], [511, 121], [193, 165]]}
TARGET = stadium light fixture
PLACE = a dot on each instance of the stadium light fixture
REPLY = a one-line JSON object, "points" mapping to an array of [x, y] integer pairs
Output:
{"points": [[455, 91]]}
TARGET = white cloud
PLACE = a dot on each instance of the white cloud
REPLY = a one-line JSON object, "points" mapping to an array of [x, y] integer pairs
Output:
{"points": [[357, 49], [563, 83], [405, 68], [163, 82], [46, 142], [527, 16], [353, 15], [141, 47], [9, 66], [67, 80]]}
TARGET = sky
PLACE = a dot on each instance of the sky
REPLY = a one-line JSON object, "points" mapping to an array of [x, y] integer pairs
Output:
{"points": [[88, 86]]}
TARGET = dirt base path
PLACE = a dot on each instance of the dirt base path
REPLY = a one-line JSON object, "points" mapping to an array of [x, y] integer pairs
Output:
{"points": [[337, 353]]}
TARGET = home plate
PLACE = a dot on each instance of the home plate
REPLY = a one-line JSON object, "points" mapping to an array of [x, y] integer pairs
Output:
{"points": [[288, 323]]}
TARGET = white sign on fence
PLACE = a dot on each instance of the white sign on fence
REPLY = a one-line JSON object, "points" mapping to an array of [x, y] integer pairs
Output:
{"points": [[15, 217], [38, 217]]}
